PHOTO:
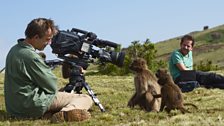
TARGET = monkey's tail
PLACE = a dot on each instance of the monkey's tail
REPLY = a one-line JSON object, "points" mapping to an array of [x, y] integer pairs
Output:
{"points": [[187, 104]]}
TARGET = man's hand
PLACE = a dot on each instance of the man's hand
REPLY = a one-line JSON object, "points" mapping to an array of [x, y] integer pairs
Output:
{"points": [[181, 66]]}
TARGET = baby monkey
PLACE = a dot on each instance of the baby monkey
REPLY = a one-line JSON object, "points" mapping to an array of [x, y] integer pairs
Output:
{"points": [[171, 94]]}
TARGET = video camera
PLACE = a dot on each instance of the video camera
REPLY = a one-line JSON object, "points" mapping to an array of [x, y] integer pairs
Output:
{"points": [[81, 43], [76, 48]]}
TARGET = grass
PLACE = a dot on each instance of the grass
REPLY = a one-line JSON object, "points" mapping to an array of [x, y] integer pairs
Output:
{"points": [[114, 93]]}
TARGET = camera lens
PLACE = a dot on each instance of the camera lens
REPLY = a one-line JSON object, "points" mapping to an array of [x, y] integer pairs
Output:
{"points": [[118, 58]]}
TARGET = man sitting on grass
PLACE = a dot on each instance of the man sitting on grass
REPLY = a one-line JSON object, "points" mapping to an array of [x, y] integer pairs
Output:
{"points": [[30, 87]]}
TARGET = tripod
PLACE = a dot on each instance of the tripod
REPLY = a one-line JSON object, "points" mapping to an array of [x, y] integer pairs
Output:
{"points": [[77, 82]]}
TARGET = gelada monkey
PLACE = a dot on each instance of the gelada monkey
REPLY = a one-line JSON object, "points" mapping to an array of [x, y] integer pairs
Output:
{"points": [[145, 87], [171, 94]]}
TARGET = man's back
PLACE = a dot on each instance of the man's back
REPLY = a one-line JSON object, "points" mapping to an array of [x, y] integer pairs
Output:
{"points": [[25, 76]]}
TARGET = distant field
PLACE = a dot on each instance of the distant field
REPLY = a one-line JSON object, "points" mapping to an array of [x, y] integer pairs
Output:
{"points": [[114, 93], [206, 46]]}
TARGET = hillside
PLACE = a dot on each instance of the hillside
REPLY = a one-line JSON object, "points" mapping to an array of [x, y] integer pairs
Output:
{"points": [[209, 46]]}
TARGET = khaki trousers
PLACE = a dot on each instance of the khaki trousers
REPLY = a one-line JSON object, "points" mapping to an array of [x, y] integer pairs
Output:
{"points": [[64, 101]]}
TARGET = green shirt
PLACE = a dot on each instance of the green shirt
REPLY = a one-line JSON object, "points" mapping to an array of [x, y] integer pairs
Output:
{"points": [[177, 57], [29, 85]]}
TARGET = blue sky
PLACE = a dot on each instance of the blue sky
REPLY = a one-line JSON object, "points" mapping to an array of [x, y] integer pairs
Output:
{"points": [[120, 21]]}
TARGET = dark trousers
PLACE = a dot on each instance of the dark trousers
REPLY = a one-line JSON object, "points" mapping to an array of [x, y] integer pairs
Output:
{"points": [[208, 79]]}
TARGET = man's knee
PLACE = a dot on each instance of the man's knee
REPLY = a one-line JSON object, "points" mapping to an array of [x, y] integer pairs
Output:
{"points": [[88, 98], [85, 101]]}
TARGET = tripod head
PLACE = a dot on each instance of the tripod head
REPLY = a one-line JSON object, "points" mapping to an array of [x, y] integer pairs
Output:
{"points": [[76, 77], [77, 82]]}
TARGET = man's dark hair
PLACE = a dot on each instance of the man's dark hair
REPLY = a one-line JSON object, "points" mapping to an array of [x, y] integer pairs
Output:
{"points": [[39, 26], [187, 37]]}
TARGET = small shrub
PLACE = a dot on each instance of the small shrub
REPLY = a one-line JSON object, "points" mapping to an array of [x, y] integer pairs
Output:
{"points": [[144, 50], [206, 66]]}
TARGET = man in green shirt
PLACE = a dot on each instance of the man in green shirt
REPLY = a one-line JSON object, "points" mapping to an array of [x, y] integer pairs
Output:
{"points": [[182, 60], [30, 87], [178, 58]]}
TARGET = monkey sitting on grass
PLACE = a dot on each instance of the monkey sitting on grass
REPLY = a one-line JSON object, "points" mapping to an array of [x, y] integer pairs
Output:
{"points": [[145, 87], [171, 94]]}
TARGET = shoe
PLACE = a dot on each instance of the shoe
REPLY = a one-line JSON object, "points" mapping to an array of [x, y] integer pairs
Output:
{"points": [[57, 117], [77, 115], [69, 116]]}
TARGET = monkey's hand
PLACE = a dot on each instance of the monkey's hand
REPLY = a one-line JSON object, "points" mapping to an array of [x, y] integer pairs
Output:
{"points": [[131, 104]]}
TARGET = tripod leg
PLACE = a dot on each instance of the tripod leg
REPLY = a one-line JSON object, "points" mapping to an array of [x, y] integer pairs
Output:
{"points": [[95, 99]]}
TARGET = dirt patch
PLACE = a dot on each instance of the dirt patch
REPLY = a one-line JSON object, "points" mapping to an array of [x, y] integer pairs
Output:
{"points": [[207, 48]]}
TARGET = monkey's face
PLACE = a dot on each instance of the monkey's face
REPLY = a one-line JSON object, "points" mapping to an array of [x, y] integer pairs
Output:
{"points": [[138, 64], [162, 75]]}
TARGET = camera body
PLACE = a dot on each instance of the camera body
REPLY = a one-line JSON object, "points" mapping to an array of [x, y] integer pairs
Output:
{"points": [[82, 45], [76, 47]]}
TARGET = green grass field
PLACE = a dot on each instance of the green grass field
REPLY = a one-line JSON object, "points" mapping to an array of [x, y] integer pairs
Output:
{"points": [[114, 93]]}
